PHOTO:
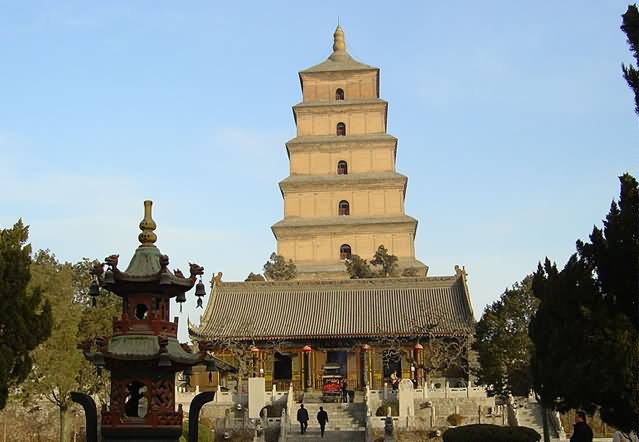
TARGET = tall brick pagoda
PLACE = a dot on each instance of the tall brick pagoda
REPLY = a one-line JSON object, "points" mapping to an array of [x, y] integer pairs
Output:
{"points": [[343, 195]]}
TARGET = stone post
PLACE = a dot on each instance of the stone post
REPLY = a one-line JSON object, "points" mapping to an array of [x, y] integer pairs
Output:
{"points": [[256, 397], [389, 435], [406, 402]]}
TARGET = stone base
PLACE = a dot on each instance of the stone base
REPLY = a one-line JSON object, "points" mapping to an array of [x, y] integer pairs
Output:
{"points": [[140, 439], [141, 434]]}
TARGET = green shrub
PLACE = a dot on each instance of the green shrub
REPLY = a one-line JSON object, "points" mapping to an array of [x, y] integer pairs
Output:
{"points": [[490, 433], [203, 433], [455, 419], [382, 409]]}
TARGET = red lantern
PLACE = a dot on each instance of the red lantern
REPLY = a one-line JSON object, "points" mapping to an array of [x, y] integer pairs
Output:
{"points": [[307, 349]]}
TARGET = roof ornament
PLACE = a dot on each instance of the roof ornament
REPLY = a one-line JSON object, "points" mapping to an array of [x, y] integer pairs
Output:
{"points": [[147, 225], [461, 272], [339, 44]]}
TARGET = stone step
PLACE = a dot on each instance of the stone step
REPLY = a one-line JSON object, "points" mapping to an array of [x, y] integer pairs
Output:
{"points": [[331, 434]]}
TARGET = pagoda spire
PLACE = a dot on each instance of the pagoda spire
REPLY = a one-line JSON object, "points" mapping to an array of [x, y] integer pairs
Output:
{"points": [[339, 46], [147, 225]]}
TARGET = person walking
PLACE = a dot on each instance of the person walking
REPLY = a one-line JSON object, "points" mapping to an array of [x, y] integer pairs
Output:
{"points": [[302, 418], [344, 391], [621, 436], [581, 431], [322, 418]]}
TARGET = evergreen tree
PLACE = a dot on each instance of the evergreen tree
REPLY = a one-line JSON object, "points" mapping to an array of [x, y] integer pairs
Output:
{"points": [[59, 367], [254, 277], [502, 341], [278, 269], [25, 320], [386, 263], [630, 26], [585, 330], [358, 267]]}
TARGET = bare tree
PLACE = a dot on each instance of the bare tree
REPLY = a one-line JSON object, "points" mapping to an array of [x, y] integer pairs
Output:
{"points": [[443, 353]]}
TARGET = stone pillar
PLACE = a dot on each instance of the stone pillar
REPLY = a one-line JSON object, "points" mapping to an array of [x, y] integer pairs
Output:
{"points": [[364, 355], [419, 366], [256, 397], [406, 402], [307, 375]]}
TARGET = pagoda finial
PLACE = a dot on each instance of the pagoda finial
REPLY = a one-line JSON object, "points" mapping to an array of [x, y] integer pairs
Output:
{"points": [[339, 44], [147, 225]]}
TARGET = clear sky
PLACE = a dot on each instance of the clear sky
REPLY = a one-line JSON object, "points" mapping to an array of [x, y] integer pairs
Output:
{"points": [[513, 122]]}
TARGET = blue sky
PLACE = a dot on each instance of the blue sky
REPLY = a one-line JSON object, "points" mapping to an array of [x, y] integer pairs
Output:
{"points": [[513, 122]]}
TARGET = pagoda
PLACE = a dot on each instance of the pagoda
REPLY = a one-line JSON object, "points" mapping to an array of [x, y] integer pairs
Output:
{"points": [[343, 195], [143, 354]]}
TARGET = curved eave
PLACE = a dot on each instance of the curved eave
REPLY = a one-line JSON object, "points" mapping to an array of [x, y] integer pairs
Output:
{"points": [[306, 182], [126, 284], [363, 336]]}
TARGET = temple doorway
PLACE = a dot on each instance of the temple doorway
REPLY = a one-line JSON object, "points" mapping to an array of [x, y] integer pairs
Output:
{"points": [[392, 366], [282, 370], [338, 357]]}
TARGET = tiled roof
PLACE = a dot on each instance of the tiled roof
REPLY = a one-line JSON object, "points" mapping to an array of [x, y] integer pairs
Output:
{"points": [[339, 62], [336, 309]]}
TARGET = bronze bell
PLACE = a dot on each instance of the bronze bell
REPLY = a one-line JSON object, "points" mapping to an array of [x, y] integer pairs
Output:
{"points": [[109, 279], [199, 289], [98, 361], [94, 291], [181, 297]]}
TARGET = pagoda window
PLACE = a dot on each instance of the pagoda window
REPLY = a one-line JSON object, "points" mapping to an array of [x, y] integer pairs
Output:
{"points": [[342, 168], [141, 311], [340, 129], [344, 208], [339, 94], [345, 251], [135, 404]]}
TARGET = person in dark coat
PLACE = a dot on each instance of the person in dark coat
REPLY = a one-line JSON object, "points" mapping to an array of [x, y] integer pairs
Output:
{"points": [[581, 432], [302, 418], [344, 392], [322, 418]]}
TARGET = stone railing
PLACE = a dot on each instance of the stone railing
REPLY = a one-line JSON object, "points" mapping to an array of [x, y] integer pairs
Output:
{"points": [[442, 390], [511, 413], [284, 426]]}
